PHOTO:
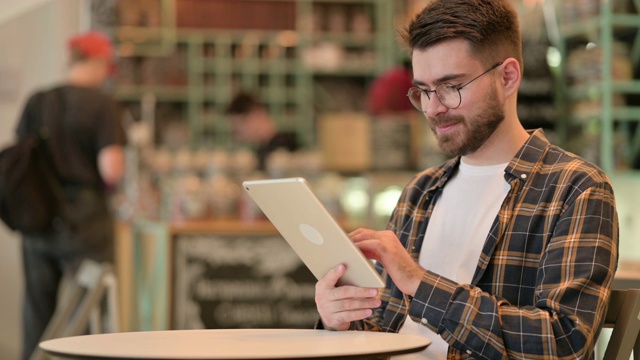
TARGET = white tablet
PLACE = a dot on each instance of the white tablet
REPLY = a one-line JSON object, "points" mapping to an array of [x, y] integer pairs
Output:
{"points": [[314, 235]]}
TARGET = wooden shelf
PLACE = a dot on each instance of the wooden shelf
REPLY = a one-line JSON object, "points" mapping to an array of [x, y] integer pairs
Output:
{"points": [[594, 91], [219, 62], [162, 93], [600, 101], [222, 227]]}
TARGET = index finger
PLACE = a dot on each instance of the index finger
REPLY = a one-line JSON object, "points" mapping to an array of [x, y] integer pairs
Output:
{"points": [[361, 233]]}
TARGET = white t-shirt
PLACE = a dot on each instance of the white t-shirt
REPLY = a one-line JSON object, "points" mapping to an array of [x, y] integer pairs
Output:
{"points": [[457, 231]]}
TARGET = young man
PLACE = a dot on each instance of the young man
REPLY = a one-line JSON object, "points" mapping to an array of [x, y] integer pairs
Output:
{"points": [[509, 249], [85, 147]]}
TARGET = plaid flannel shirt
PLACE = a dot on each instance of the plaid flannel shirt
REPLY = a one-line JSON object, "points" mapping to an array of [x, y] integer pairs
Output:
{"points": [[542, 283]]}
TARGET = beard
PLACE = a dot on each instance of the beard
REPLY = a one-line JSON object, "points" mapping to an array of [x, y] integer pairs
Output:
{"points": [[470, 134]]}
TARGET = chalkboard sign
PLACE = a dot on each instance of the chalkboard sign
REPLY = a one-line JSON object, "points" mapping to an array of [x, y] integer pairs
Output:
{"points": [[240, 281], [392, 143]]}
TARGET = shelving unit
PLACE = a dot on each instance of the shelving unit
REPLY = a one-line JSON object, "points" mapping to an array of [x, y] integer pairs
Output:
{"points": [[609, 116], [294, 69], [536, 107]]}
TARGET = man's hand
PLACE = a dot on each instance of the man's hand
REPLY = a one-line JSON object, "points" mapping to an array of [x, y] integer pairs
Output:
{"points": [[384, 246], [338, 306]]}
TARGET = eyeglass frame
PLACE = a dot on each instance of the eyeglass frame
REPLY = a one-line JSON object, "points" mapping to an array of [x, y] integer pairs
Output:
{"points": [[458, 88]]}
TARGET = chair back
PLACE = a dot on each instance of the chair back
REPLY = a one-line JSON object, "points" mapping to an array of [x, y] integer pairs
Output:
{"points": [[88, 297], [623, 315]]}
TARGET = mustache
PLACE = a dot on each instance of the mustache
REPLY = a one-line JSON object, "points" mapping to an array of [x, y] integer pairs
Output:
{"points": [[445, 121]]}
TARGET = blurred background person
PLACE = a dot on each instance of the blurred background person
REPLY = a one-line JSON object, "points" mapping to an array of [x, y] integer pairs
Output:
{"points": [[391, 110], [85, 147], [387, 93], [252, 124]]}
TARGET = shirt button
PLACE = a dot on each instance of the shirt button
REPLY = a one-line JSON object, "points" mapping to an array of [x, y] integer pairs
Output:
{"points": [[524, 176], [469, 352], [424, 322]]}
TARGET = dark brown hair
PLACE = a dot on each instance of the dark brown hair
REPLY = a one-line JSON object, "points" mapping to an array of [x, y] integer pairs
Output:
{"points": [[243, 103], [490, 26]]}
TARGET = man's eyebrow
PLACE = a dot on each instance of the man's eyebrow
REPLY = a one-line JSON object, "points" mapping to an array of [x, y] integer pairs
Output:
{"points": [[418, 82], [441, 80]]}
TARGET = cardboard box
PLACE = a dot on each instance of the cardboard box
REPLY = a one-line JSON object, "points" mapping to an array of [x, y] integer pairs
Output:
{"points": [[345, 141]]}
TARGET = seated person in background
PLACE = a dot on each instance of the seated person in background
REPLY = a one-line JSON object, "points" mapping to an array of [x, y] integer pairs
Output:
{"points": [[509, 249], [251, 123]]}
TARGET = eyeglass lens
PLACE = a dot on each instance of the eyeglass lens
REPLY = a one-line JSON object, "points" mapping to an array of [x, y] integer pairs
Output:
{"points": [[448, 94]]}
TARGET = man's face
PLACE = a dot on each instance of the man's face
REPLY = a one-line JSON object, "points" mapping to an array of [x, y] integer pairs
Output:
{"points": [[245, 126], [463, 130], [239, 127]]}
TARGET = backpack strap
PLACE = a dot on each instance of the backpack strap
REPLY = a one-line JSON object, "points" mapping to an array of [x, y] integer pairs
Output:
{"points": [[50, 114]]}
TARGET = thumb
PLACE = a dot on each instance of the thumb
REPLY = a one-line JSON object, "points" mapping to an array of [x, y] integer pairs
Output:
{"points": [[331, 278]]}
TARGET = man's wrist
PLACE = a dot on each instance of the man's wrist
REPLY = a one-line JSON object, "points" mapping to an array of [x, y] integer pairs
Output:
{"points": [[415, 281]]}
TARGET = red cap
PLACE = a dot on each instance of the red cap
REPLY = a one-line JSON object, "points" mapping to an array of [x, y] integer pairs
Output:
{"points": [[92, 44]]}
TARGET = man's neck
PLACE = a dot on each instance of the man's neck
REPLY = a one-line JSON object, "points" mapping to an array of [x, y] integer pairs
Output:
{"points": [[82, 77], [82, 82]]}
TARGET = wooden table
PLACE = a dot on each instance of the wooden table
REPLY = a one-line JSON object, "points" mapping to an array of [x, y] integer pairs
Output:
{"points": [[235, 344]]}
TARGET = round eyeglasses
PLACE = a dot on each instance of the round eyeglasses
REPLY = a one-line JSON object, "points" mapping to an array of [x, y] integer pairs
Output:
{"points": [[447, 93]]}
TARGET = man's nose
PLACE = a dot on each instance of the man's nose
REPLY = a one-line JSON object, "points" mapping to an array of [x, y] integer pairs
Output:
{"points": [[432, 106]]}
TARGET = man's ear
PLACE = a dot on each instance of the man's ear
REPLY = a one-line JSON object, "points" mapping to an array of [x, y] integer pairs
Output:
{"points": [[511, 76]]}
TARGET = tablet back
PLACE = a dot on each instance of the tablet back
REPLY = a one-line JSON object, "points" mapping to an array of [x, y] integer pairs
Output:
{"points": [[307, 226]]}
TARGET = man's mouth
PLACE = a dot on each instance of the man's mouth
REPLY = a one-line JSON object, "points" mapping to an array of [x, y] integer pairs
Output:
{"points": [[446, 128]]}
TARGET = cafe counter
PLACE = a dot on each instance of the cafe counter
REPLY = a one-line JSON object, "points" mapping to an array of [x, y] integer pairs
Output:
{"points": [[211, 274]]}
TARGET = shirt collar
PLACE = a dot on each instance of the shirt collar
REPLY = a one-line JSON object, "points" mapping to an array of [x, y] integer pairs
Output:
{"points": [[520, 167], [527, 158]]}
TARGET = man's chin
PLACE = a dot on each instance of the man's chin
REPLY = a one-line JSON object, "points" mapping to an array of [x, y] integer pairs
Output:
{"points": [[448, 148]]}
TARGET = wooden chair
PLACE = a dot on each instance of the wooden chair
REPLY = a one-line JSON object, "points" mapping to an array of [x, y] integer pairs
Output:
{"points": [[623, 316]]}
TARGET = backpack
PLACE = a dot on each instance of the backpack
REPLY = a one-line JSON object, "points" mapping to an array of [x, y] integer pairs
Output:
{"points": [[30, 195]]}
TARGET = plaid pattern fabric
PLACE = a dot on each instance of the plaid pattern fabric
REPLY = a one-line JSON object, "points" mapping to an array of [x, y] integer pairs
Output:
{"points": [[542, 283]]}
